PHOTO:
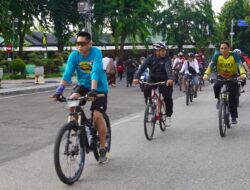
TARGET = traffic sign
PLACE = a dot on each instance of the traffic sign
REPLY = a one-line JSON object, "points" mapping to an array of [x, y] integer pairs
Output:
{"points": [[9, 48], [232, 33], [242, 23]]}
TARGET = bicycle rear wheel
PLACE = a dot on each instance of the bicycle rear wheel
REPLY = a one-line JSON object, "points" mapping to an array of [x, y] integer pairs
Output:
{"points": [[187, 94], [149, 121], [69, 153], [108, 139], [163, 116], [222, 119], [191, 93]]}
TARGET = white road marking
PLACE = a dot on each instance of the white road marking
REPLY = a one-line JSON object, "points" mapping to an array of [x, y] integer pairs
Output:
{"points": [[125, 120], [29, 94]]}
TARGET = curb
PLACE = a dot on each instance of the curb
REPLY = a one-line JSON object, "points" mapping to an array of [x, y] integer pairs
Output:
{"points": [[24, 90]]}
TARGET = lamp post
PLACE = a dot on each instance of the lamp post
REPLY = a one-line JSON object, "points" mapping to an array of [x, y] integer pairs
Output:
{"points": [[232, 32], [10, 50], [84, 8]]}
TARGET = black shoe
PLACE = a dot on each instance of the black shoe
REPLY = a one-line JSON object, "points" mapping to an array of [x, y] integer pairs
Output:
{"points": [[195, 94], [234, 121], [218, 105], [103, 156]]}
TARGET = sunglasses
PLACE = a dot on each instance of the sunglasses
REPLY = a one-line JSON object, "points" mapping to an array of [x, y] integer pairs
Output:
{"points": [[82, 43]]}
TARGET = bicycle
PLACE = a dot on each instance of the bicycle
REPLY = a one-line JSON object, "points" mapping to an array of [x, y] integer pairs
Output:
{"points": [[77, 136], [189, 90], [224, 109], [180, 79], [155, 111]]}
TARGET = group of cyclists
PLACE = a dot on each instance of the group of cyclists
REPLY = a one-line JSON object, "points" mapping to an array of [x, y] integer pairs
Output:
{"points": [[86, 61]]}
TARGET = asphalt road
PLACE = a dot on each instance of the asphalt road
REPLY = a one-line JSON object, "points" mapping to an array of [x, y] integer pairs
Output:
{"points": [[189, 155]]}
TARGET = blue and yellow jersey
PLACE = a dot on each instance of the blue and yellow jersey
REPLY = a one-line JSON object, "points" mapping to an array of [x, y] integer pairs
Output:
{"points": [[226, 67]]}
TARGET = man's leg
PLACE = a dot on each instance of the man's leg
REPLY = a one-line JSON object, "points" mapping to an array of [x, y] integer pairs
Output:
{"points": [[101, 127], [233, 95]]}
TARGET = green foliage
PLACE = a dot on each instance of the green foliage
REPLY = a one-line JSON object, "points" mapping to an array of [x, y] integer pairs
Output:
{"points": [[186, 22], [17, 66], [126, 19], [235, 10]]}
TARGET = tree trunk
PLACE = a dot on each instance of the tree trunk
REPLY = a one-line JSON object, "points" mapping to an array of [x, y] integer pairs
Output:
{"points": [[123, 37]]}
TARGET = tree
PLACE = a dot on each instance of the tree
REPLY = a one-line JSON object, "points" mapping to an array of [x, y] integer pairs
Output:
{"points": [[184, 22], [61, 17], [5, 27], [235, 10], [127, 19]]}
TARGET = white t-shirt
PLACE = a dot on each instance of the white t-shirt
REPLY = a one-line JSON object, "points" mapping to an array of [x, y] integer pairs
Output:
{"points": [[105, 62], [193, 64]]}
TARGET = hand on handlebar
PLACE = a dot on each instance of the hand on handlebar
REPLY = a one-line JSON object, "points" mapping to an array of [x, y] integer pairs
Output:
{"points": [[169, 83], [135, 81], [92, 95], [205, 77], [241, 77]]}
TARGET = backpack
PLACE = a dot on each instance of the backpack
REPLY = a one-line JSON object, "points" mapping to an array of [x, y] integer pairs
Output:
{"points": [[120, 68]]}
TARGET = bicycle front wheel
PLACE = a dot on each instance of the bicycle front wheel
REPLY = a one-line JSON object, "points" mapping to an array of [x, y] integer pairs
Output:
{"points": [[222, 119], [191, 93], [69, 155], [163, 116], [108, 139], [149, 121]]}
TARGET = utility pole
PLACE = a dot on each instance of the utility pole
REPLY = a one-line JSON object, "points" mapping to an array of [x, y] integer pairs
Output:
{"points": [[85, 9], [232, 32]]}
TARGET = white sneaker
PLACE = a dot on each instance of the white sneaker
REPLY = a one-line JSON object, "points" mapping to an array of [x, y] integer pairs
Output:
{"points": [[168, 121]]}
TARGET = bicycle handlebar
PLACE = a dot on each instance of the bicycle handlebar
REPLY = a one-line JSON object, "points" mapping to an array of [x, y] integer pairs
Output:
{"points": [[152, 84], [64, 99]]}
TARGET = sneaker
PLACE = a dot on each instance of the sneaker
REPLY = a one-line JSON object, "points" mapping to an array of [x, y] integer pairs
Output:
{"points": [[195, 94], [234, 121], [218, 105], [103, 156], [168, 121]]}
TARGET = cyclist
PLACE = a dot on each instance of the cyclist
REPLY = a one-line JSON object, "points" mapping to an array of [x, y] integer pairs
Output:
{"points": [[160, 69], [227, 65], [177, 64], [238, 51], [86, 61], [191, 69]]}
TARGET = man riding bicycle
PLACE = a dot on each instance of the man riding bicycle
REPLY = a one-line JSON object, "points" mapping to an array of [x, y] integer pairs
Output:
{"points": [[227, 64], [86, 61], [191, 69], [160, 69]]}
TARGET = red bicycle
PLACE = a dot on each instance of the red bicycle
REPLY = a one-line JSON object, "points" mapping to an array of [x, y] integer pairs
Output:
{"points": [[155, 111]]}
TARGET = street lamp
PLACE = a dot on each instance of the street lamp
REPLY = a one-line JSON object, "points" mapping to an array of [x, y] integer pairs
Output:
{"points": [[84, 8]]}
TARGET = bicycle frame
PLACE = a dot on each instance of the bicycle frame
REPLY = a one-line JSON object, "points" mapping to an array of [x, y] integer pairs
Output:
{"points": [[157, 98]]}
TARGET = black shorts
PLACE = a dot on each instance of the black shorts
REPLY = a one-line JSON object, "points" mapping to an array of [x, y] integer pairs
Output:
{"points": [[100, 104]]}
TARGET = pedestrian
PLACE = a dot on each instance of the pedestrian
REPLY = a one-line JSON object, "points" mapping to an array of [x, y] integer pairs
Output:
{"points": [[130, 66], [111, 72], [120, 68]]}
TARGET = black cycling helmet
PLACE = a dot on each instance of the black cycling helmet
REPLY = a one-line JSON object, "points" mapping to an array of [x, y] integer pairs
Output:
{"points": [[190, 54], [159, 45]]}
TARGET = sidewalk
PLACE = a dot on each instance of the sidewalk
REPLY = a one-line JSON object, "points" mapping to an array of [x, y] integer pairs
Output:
{"points": [[14, 87]]}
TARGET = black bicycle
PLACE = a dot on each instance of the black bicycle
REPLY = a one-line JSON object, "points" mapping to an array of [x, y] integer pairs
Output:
{"points": [[190, 90], [77, 136], [224, 108]]}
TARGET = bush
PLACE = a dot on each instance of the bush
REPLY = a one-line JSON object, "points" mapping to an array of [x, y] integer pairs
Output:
{"points": [[17, 65]]}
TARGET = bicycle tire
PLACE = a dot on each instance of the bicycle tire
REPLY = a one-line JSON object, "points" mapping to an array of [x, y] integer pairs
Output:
{"points": [[73, 151], [149, 121], [180, 83], [96, 150], [163, 116], [191, 93], [187, 94], [222, 117]]}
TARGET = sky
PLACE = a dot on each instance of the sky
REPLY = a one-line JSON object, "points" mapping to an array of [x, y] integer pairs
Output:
{"points": [[217, 4]]}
